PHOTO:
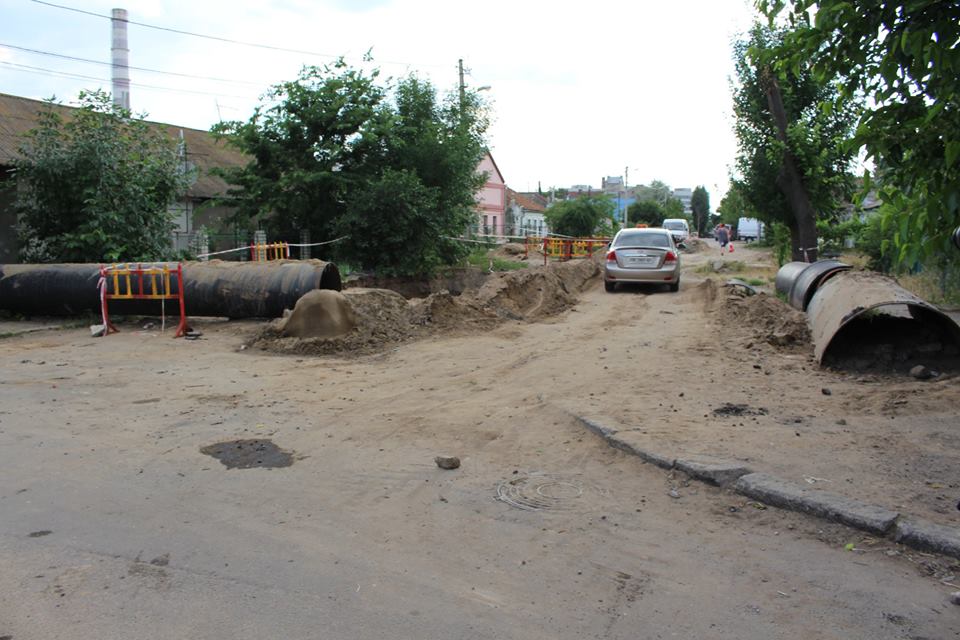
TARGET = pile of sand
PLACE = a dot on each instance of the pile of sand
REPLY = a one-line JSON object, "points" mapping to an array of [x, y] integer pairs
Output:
{"points": [[764, 318], [321, 322]]}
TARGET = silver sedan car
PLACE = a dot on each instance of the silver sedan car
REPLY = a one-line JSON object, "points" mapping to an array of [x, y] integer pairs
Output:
{"points": [[642, 255]]}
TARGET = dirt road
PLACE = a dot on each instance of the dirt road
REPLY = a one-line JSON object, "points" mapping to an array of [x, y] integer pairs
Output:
{"points": [[114, 524]]}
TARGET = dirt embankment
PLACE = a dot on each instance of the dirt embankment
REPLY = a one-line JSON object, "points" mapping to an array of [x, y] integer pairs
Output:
{"points": [[383, 317]]}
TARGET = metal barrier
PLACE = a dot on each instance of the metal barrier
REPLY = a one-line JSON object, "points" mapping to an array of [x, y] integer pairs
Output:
{"points": [[124, 276], [269, 251], [564, 248]]}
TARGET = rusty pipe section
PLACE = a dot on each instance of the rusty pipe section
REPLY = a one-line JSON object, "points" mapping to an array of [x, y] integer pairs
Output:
{"points": [[876, 314], [215, 288]]}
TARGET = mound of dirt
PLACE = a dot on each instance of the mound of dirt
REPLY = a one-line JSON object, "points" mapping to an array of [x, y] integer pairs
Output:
{"points": [[321, 313], [382, 317], [539, 292], [695, 245], [509, 249], [444, 311], [765, 318]]}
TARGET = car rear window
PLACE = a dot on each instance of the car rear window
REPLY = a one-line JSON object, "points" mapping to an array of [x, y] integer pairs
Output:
{"points": [[643, 239]]}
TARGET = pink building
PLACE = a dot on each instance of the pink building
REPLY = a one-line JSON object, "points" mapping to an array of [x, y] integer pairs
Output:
{"points": [[492, 198]]}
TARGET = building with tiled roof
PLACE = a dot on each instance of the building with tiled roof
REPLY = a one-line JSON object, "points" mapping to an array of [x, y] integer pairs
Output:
{"points": [[202, 152], [526, 211]]}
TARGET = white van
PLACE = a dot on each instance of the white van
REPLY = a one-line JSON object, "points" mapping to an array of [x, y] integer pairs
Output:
{"points": [[749, 229], [678, 228]]}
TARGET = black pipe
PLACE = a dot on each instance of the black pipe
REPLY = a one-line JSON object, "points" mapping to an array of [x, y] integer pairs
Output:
{"points": [[225, 289]]}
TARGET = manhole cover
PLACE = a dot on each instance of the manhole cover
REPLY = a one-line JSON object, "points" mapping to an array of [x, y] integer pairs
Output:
{"points": [[249, 454], [540, 491]]}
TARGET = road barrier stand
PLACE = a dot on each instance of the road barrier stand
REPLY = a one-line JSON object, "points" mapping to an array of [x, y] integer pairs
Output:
{"points": [[126, 282], [565, 248], [269, 251]]}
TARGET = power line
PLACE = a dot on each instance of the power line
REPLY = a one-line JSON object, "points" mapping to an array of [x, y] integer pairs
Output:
{"points": [[51, 72], [169, 73], [221, 39]]}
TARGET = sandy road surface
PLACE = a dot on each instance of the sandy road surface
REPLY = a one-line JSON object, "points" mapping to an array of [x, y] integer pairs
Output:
{"points": [[113, 524]]}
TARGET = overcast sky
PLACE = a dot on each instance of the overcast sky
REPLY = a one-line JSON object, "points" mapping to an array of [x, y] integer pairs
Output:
{"points": [[579, 90]]}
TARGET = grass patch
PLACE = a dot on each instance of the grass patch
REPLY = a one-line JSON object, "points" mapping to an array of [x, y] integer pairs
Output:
{"points": [[729, 266], [756, 282], [482, 259]]}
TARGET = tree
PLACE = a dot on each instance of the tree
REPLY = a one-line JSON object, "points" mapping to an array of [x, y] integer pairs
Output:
{"points": [[404, 219], [95, 186], [700, 203], [905, 57], [648, 212], [673, 208], [581, 217], [734, 206], [389, 166], [311, 146], [791, 165], [658, 191]]}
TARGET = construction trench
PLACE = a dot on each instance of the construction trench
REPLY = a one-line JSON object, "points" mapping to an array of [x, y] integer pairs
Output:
{"points": [[858, 320]]}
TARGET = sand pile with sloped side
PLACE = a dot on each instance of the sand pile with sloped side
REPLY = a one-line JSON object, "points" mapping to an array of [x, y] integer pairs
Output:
{"points": [[384, 318]]}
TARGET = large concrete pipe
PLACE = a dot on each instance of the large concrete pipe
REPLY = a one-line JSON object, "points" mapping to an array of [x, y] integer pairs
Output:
{"points": [[215, 288], [863, 318], [798, 281], [787, 275], [811, 279]]}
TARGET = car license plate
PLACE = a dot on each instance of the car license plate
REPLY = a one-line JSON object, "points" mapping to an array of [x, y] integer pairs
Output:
{"points": [[641, 260]]}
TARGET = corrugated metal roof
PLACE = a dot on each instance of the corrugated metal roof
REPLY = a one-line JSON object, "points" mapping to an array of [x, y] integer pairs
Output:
{"points": [[19, 115]]}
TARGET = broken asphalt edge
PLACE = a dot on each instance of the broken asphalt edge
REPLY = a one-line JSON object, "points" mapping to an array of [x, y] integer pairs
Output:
{"points": [[763, 487]]}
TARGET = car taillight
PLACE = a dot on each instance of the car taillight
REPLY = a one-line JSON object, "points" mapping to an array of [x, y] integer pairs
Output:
{"points": [[670, 257], [612, 256]]}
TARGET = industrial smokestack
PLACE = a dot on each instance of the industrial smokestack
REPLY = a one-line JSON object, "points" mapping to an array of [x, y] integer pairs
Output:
{"points": [[121, 62]]}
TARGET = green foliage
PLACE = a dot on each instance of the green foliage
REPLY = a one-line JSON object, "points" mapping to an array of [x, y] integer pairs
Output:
{"points": [[700, 204], [833, 234], [780, 240], [875, 240], [483, 259], [649, 212], [311, 144], [657, 191], [673, 208], [905, 57], [734, 206], [815, 136], [390, 166], [582, 217], [96, 186]]}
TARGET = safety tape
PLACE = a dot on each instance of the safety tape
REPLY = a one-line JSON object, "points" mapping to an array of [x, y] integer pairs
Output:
{"points": [[247, 248]]}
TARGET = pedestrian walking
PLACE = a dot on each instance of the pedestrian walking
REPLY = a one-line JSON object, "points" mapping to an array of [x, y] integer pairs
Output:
{"points": [[723, 237]]}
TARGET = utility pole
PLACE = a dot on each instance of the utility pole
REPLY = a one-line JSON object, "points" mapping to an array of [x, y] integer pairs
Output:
{"points": [[463, 88]]}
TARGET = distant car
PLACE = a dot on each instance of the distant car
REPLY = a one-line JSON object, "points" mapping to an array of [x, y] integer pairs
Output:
{"points": [[642, 255], [678, 227]]}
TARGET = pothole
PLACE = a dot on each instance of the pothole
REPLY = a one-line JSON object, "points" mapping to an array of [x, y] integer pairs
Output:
{"points": [[249, 454], [545, 491]]}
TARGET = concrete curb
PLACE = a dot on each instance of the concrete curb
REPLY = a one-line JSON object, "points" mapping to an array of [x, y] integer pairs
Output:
{"points": [[720, 473], [830, 506], [763, 487], [928, 536]]}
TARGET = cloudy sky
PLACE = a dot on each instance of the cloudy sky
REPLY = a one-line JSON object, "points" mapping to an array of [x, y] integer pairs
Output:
{"points": [[580, 90]]}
